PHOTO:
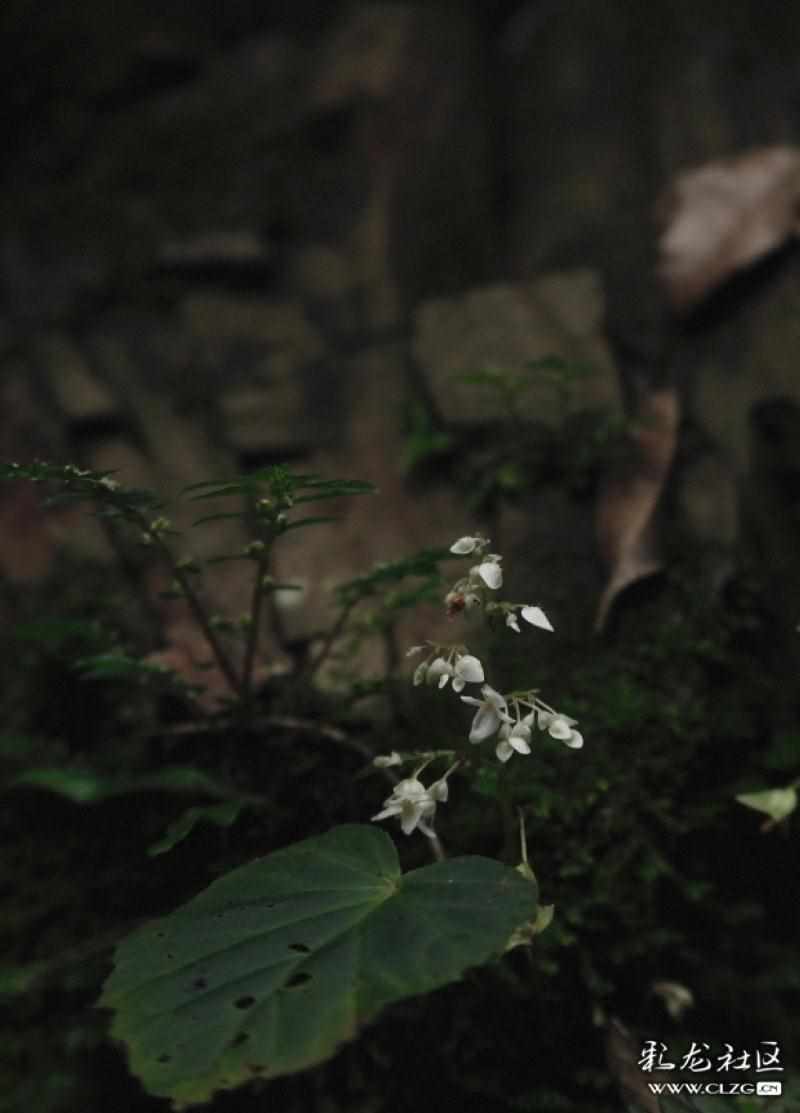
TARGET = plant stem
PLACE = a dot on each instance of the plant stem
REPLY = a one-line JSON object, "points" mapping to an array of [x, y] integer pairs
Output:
{"points": [[253, 633], [506, 815], [327, 645], [201, 618]]}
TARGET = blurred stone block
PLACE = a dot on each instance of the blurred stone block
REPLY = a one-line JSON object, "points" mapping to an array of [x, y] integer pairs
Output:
{"points": [[321, 273], [78, 393], [266, 417], [506, 326]]}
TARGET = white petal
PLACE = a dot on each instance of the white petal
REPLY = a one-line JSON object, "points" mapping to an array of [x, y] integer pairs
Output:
{"points": [[464, 545], [470, 669], [472, 700], [420, 673], [511, 620], [493, 697], [575, 740], [471, 600], [504, 750], [458, 683], [411, 815], [519, 744], [393, 809], [484, 724], [414, 650], [439, 671], [537, 617], [491, 574], [559, 728], [409, 789], [544, 719], [439, 791]]}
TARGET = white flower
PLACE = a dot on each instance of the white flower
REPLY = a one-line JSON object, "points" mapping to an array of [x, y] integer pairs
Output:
{"points": [[466, 545], [490, 571], [440, 671], [412, 802], [106, 481], [439, 790], [516, 737], [467, 670], [383, 761], [492, 711], [536, 617], [560, 728], [511, 620]]}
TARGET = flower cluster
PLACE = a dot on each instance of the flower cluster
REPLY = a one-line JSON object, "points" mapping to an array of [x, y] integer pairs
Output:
{"points": [[414, 803], [511, 720]]}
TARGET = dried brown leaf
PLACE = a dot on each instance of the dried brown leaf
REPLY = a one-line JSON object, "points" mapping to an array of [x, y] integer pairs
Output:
{"points": [[724, 216], [625, 514]]}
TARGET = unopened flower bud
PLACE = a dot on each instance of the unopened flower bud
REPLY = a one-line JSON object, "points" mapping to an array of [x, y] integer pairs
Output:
{"points": [[383, 761]]}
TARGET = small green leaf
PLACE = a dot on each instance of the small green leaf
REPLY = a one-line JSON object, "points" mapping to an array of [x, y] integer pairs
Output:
{"points": [[276, 964], [335, 493], [777, 803], [53, 633], [86, 786], [115, 665], [19, 979], [300, 523], [222, 491], [219, 517], [224, 815]]}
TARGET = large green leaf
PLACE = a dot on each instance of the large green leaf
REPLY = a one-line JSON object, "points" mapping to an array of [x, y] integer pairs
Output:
{"points": [[777, 803], [273, 966]]}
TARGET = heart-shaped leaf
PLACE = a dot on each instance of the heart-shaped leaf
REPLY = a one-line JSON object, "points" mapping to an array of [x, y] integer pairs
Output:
{"points": [[276, 964], [777, 803]]}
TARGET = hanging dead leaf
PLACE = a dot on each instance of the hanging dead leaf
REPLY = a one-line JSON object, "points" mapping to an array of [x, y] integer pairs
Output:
{"points": [[724, 216], [625, 514]]}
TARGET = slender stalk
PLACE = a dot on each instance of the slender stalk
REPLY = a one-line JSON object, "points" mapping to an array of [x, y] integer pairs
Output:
{"points": [[327, 644], [253, 634], [201, 618], [506, 814]]}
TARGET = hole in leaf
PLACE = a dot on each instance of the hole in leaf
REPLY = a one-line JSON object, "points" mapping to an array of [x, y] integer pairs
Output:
{"points": [[239, 1039], [301, 948], [199, 983], [297, 980], [164, 1058], [244, 1002]]}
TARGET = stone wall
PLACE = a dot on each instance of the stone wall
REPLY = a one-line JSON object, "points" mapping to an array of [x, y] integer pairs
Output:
{"points": [[226, 246]]}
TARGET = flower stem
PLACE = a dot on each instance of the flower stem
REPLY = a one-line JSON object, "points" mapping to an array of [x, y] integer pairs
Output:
{"points": [[506, 815]]}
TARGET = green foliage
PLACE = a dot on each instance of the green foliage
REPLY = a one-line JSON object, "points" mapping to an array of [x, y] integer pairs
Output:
{"points": [[86, 786], [271, 968]]}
